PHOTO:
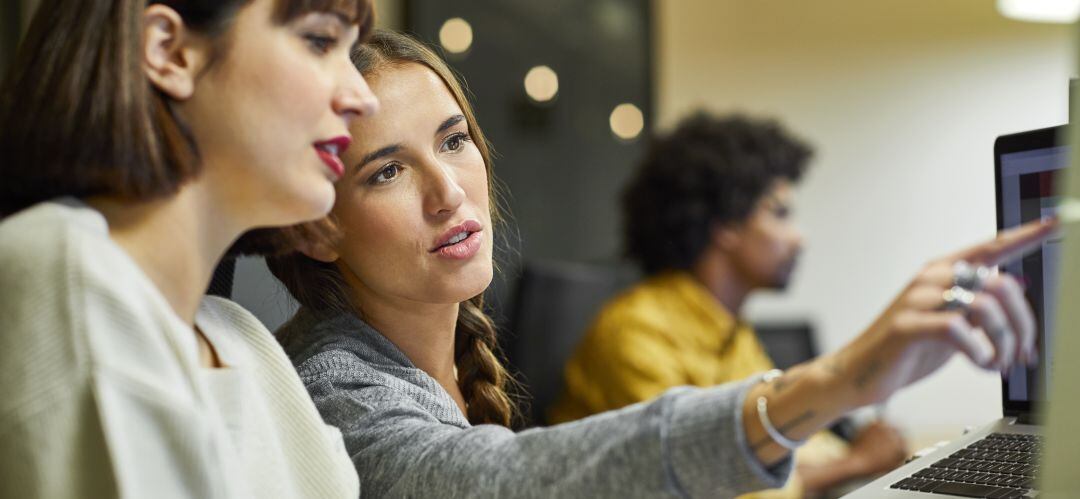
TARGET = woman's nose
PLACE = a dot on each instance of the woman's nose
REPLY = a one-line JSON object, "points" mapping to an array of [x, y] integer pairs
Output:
{"points": [[354, 98], [444, 194]]}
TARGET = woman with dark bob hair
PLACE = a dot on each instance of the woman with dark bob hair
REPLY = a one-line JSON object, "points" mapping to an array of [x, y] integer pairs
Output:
{"points": [[139, 139], [395, 349]]}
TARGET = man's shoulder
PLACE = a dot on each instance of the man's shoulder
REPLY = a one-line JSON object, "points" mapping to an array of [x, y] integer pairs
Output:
{"points": [[648, 303]]}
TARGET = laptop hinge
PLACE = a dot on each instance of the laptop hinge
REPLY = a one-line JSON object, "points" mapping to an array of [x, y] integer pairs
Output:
{"points": [[1025, 418]]}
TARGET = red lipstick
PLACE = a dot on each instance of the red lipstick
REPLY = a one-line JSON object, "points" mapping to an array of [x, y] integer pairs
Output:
{"points": [[330, 152]]}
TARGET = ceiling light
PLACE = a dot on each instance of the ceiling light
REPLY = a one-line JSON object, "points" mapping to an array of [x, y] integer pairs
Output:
{"points": [[1045, 11]]}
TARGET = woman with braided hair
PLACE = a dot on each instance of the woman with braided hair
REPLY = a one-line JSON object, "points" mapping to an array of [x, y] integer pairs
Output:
{"points": [[377, 292], [392, 344]]}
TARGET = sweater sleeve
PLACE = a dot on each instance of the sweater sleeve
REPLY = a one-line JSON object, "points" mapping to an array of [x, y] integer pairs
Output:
{"points": [[688, 442]]}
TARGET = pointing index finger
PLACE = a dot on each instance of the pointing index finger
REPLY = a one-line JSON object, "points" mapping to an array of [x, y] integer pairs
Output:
{"points": [[1009, 244]]}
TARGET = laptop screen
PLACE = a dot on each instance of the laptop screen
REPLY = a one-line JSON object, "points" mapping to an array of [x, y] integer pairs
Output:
{"points": [[1027, 165]]}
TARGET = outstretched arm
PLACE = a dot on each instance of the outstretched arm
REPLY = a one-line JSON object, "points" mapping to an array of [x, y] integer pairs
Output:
{"points": [[914, 337]]}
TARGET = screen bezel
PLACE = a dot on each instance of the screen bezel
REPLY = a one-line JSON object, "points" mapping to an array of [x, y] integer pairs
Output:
{"points": [[1007, 144]]}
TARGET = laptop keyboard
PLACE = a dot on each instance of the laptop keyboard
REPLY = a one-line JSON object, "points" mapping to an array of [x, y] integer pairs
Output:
{"points": [[1000, 465]]}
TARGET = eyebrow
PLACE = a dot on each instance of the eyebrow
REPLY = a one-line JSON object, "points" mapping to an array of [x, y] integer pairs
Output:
{"points": [[392, 149], [348, 23], [386, 151], [343, 19], [451, 121], [346, 19]]}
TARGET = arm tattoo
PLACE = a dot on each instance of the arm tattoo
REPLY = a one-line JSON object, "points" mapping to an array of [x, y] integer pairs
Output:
{"points": [[832, 366], [785, 381], [867, 374]]}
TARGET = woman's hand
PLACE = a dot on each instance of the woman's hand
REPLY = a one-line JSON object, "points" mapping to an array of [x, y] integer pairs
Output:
{"points": [[936, 315], [878, 448], [919, 332]]}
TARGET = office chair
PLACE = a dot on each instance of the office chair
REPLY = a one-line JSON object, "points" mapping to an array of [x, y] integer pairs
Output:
{"points": [[793, 342], [555, 302], [221, 283]]}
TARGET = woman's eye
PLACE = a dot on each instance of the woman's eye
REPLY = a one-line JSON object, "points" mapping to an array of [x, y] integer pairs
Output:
{"points": [[320, 43], [386, 174], [455, 141]]}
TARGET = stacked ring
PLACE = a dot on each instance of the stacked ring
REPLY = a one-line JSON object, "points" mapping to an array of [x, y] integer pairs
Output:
{"points": [[957, 297], [968, 276]]}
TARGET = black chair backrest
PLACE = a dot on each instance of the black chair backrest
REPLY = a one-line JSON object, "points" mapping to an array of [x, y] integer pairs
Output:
{"points": [[555, 303], [793, 342], [787, 342], [221, 283]]}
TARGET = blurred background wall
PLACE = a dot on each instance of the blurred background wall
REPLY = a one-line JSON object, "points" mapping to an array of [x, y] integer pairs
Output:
{"points": [[901, 98]]}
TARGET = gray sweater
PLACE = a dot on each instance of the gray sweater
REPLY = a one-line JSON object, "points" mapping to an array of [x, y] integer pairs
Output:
{"points": [[408, 438]]}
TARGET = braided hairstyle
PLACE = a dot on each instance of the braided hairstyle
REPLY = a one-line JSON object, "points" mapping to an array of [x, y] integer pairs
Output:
{"points": [[321, 287]]}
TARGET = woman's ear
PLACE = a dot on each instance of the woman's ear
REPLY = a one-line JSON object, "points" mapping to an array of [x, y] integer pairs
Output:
{"points": [[172, 56], [320, 251]]}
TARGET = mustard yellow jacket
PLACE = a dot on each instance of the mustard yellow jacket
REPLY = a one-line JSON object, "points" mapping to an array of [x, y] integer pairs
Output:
{"points": [[667, 331]]}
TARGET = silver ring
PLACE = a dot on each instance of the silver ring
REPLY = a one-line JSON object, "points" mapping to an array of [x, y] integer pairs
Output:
{"points": [[957, 298], [968, 276]]}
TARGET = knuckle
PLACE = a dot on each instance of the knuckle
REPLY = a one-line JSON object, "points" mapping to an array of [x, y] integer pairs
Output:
{"points": [[903, 321], [931, 269], [921, 278], [920, 294]]}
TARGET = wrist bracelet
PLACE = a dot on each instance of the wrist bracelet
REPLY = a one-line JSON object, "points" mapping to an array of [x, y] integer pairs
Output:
{"points": [[763, 415]]}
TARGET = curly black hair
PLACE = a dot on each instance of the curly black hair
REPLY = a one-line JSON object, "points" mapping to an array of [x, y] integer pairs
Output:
{"points": [[709, 170]]}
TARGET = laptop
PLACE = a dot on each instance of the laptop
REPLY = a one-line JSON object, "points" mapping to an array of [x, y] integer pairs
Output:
{"points": [[1002, 459]]}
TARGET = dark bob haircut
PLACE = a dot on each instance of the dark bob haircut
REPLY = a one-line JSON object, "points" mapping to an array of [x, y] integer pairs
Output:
{"points": [[78, 117], [709, 171]]}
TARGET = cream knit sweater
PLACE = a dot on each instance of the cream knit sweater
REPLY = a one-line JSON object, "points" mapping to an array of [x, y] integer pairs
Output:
{"points": [[102, 394]]}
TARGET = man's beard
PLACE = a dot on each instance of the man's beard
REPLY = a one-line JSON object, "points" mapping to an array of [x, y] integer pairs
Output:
{"points": [[782, 278]]}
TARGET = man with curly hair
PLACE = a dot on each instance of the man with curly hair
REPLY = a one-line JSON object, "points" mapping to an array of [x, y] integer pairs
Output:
{"points": [[707, 218]]}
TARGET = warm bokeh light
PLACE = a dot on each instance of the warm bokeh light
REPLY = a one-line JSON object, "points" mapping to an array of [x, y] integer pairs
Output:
{"points": [[627, 122], [456, 35], [541, 83]]}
